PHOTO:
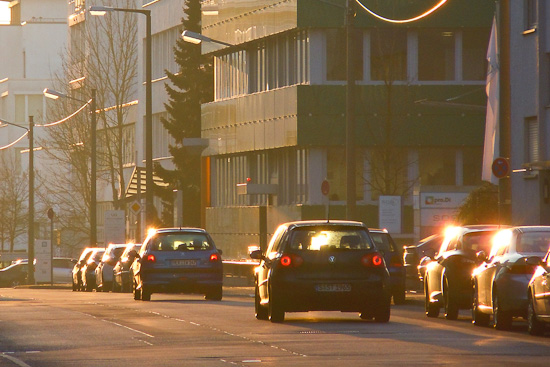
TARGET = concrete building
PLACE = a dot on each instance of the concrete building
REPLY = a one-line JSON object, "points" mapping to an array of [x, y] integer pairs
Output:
{"points": [[525, 91], [30, 54], [279, 114]]}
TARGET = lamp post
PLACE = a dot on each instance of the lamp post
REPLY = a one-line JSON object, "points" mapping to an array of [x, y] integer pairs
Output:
{"points": [[93, 158], [350, 123], [100, 11], [30, 243]]}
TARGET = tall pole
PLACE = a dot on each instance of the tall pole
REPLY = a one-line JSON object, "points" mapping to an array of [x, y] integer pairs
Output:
{"points": [[149, 209], [93, 179], [350, 124], [30, 250]]}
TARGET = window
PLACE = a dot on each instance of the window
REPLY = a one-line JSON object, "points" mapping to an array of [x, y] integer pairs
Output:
{"points": [[180, 242], [437, 166], [531, 11], [474, 50], [162, 51], [388, 50], [436, 54], [321, 239], [336, 54], [472, 158], [532, 139], [533, 242]]}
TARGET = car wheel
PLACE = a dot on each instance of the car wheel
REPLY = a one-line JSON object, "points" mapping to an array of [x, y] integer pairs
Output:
{"points": [[275, 310], [215, 294], [479, 318], [75, 286], [399, 296], [451, 308], [534, 326], [432, 309], [382, 312], [260, 311], [502, 320], [137, 292]]}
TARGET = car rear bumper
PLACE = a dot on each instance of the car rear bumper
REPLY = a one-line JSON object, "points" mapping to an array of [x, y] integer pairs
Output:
{"points": [[181, 282], [302, 295]]}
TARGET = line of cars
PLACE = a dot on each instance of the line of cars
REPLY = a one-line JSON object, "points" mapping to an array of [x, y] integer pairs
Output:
{"points": [[498, 272], [16, 273]]}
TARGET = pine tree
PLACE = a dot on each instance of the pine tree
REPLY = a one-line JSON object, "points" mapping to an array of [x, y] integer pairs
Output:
{"points": [[189, 88]]}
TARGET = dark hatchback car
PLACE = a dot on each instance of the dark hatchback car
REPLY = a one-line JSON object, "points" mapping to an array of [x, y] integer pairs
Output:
{"points": [[394, 262], [14, 274], [500, 282], [538, 294], [178, 260], [321, 266], [413, 255], [448, 279], [122, 272]]}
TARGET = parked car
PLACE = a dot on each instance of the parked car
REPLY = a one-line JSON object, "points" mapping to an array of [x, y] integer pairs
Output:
{"points": [[104, 270], [448, 278], [77, 268], [62, 269], [122, 272], [14, 274], [501, 281], [324, 266], [88, 269], [393, 257], [538, 295], [412, 255], [178, 260]]}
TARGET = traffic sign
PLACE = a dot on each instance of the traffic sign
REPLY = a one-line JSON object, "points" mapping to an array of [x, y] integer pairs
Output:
{"points": [[500, 167], [325, 187]]}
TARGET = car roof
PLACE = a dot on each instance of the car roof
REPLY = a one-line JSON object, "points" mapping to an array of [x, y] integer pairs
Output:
{"points": [[181, 229], [306, 223], [525, 229], [378, 230]]}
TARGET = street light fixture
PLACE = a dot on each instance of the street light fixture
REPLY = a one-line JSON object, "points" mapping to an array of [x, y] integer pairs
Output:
{"points": [[30, 243], [50, 93], [102, 10]]}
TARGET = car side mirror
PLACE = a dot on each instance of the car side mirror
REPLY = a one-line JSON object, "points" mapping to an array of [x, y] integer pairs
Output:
{"points": [[257, 255], [481, 256]]}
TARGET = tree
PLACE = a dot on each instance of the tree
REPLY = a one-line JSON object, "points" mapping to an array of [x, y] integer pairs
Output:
{"points": [[13, 199], [481, 206], [188, 89], [102, 56]]}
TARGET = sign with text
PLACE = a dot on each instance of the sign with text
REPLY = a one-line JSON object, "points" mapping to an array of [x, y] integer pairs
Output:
{"points": [[433, 200], [43, 266], [389, 213], [115, 226]]}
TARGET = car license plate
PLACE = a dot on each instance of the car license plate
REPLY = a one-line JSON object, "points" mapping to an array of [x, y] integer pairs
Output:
{"points": [[333, 287], [184, 262]]}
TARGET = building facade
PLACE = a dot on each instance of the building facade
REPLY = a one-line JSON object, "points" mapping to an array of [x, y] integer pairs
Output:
{"points": [[278, 117], [525, 118]]}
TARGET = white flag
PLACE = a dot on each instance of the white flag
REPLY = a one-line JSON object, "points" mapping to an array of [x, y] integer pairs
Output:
{"points": [[491, 142]]}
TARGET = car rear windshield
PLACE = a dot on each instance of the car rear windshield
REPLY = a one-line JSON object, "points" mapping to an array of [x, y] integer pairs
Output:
{"points": [[478, 241], [181, 242], [533, 242], [321, 239]]}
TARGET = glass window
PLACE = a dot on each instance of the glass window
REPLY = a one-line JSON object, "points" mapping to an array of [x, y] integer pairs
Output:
{"points": [[471, 165], [532, 137], [531, 21], [533, 242], [478, 241], [474, 53], [336, 54], [328, 238], [437, 166], [388, 52], [383, 242], [180, 242], [436, 54]]}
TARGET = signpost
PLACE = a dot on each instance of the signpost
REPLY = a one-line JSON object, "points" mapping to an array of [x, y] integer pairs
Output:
{"points": [[115, 227], [500, 167]]}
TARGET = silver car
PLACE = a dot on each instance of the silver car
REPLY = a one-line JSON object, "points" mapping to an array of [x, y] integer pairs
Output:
{"points": [[104, 271]]}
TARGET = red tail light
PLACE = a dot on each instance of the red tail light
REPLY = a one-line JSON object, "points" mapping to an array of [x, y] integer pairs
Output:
{"points": [[151, 258], [374, 260], [214, 257], [291, 261]]}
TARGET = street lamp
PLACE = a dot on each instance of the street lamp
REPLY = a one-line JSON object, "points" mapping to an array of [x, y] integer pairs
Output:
{"points": [[30, 243], [93, 158], [102, 10]]}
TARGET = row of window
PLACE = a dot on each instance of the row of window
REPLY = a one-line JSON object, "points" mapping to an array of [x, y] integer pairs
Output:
{"points": [[289, 167]]}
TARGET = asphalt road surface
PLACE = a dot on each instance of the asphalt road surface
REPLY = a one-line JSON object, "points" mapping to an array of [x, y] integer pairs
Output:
{"points": [[60, 328]]}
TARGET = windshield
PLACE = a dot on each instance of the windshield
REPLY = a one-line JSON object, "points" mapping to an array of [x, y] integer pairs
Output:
{"points": [[533, 242], [317, 239], [181, 242]]}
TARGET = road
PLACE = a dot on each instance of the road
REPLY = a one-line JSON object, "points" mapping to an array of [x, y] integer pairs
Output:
{"points": [[57, 327]]}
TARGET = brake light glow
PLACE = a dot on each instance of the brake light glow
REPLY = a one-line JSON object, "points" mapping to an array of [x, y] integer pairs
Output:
{"points": [[374, 260], [214, 257], [291, 260], [151, 258]]}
